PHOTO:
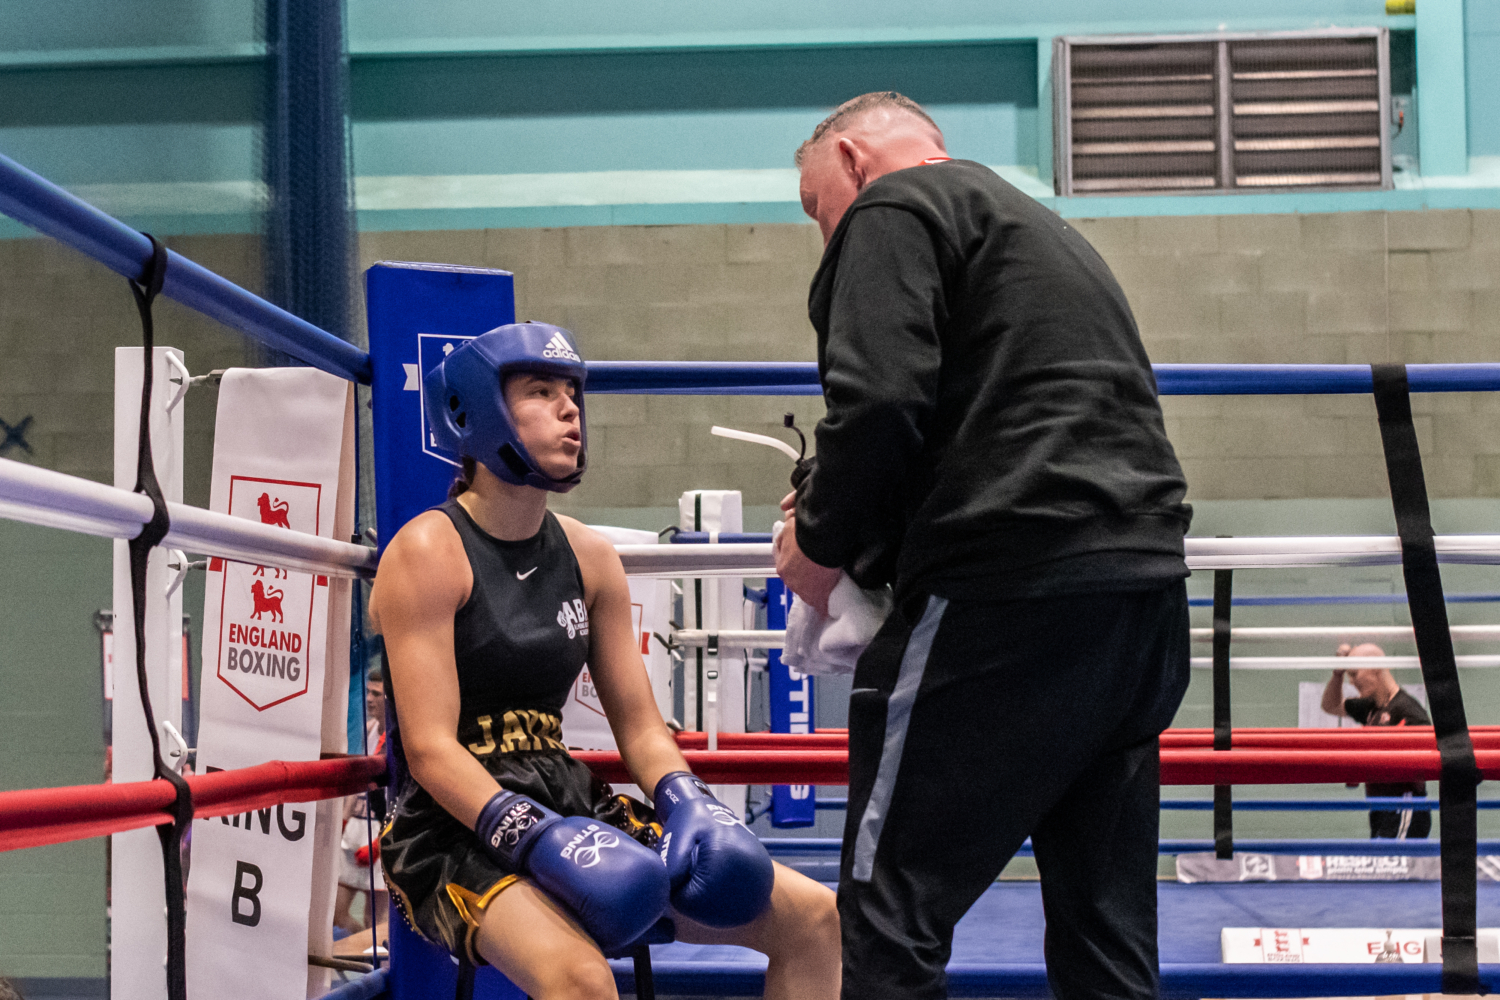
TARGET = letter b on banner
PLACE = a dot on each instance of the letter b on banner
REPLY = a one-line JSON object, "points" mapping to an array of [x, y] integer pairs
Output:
{"points": [[246, 892]]}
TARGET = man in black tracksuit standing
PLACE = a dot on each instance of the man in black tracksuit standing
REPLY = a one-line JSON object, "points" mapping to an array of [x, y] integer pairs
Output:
{"points": [[994, 449]]}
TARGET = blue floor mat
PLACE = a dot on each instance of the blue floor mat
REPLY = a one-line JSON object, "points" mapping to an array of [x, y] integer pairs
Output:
{"points": [[1006, 925]]}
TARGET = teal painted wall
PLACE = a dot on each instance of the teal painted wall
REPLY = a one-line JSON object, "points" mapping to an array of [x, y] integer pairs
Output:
{"points": [[72, 25], [132, 124], [1482, 42], [672, 110], [151, 107], [395, 24]]}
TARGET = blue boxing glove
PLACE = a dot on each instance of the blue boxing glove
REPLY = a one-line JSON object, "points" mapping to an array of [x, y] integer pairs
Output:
{"points": [[614, 886], [721, 875]]}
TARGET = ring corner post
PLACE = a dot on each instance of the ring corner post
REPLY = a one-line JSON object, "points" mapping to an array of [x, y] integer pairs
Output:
{"points": [[416, 314], [140, 927]]}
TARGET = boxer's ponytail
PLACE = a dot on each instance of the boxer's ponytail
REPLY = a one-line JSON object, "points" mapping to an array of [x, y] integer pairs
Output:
{"points": [[463, 480]]}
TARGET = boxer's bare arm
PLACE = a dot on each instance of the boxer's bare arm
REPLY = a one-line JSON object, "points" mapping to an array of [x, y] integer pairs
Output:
{"points": [[424, 578]]}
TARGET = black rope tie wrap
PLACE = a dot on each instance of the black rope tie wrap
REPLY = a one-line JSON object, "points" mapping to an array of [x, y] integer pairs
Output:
{"points": [[1429, 618], [145, 291], [1223, 724]]}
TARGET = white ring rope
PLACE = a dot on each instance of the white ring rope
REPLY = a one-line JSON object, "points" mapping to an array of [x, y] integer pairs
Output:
{"points": [[55, 500], [755, 558], [776, 639], [1328, 663], [1347, 633]]}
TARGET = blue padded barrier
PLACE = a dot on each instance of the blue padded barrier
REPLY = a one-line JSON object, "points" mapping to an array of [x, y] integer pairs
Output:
{"points": [[421, 970], [50, 210]]}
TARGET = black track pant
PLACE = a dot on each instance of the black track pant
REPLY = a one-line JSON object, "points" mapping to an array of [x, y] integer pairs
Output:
{"points": [[975, 725]]}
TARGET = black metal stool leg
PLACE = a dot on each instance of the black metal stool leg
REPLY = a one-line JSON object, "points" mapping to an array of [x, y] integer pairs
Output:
{"points": [[645, 987]]}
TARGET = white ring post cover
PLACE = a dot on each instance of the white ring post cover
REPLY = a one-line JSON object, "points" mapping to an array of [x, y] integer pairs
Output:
{"points": [[721, 512], [275, 687], [139, 946]]}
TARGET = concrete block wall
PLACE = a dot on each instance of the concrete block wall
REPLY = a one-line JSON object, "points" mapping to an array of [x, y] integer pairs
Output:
{"points": [[1353, 288], [62, 315], [1344, 288]]}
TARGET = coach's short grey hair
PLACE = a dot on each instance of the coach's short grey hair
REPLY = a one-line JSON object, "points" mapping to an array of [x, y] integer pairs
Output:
{"points": [[845, 114]]}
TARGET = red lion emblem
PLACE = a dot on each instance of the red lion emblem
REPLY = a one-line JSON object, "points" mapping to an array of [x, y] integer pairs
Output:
{"points": [[266, 599], [273, 513]]}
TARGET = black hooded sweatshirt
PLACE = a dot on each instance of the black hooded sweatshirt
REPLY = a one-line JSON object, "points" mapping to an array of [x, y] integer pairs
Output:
{"points": [[993, 430]]}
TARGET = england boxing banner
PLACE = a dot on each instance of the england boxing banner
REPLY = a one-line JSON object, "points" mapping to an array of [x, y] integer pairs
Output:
{"points": [[274, 687]]}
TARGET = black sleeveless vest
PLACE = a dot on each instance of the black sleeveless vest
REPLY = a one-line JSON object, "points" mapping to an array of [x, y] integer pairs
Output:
{"points": [[520, 639]]}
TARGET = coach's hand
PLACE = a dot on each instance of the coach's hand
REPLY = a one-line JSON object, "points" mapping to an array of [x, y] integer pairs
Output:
{"points": [[720, 873], [614, 886], [803, 577]]}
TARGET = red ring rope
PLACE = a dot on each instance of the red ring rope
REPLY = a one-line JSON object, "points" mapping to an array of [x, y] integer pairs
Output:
{"points": [[33, 817], [1390, 738], [1178, 766]]}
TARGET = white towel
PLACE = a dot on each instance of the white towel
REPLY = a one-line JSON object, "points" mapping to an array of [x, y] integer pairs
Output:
{"points": [[832, 643]]}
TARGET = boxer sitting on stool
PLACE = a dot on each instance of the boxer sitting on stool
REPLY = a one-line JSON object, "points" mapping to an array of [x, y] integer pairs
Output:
{"points": [[502, 847]]}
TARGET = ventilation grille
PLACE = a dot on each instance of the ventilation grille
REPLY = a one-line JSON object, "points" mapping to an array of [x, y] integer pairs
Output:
{"points": [[1226, 112]]}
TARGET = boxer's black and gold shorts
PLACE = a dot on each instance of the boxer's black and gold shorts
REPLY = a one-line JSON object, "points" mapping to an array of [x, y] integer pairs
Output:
{"points": [[442, 879]]}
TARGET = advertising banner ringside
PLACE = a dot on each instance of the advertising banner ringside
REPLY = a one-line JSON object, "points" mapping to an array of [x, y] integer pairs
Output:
{"points": [[275, 651]]}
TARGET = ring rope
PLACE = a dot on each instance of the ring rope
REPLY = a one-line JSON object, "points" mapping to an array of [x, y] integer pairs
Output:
{"points": [[1179, 766], [37, 816], [1342, 740]]}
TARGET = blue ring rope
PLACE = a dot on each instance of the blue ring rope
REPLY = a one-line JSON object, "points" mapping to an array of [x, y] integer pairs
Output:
{"points": [[803, 847], [1270, 805], [47, 208]]}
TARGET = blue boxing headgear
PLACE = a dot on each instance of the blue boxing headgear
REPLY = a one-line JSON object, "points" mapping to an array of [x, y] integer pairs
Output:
{"points": [[465, 399]]}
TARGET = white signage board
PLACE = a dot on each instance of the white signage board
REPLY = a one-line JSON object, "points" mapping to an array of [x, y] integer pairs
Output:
{"points": [[275, 653], [1340, 945]]}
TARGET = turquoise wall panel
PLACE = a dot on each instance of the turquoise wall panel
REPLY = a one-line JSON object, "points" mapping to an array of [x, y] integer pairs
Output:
{"points": [[1482, 64], [436, 24], [649, 111], [30, 25], [111, 154], [134, 124]]}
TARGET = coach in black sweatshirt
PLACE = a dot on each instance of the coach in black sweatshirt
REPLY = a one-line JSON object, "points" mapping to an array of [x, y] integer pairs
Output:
{"points": [[994, 449]]}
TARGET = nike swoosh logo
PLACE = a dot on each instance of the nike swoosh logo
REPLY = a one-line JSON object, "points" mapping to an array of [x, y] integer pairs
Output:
{"points": [[522, 576]]}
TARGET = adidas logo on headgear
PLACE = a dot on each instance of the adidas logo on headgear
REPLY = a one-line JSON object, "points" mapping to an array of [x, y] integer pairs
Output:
{"points": [[557, 347]]}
